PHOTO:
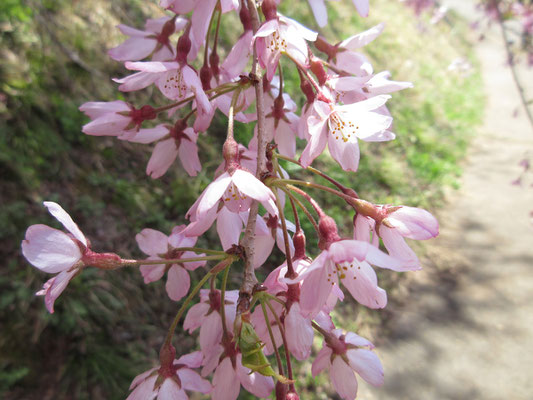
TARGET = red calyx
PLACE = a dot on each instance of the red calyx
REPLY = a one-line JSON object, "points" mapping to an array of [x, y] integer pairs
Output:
{"points": [[246, 21], [205, 77], [168, 29], [184, 46], [322, 44], [142, 114], [318, 69]]}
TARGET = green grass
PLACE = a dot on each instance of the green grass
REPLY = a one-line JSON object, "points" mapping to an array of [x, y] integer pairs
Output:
{"points": [[108, 326]]}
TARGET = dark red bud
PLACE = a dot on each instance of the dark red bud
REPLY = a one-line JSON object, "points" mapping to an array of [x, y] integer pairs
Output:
{"points": [[205, 77], [214, 61], [230, 151], [299, 245], [307, 90], [269, 9], [318, 69], [279, 103], [328, 231], [246, 21], [183, 47]]}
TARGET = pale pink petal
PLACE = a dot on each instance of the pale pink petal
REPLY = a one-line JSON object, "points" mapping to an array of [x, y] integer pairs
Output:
{"points": [[61, 215], [170, 390], [191, 360], [397, 248], [200, 20], [363, 225], [229, 227], [192, 265], [96, 109], [366, 364], [210, 331], [362, 7], [361, 281], [110, 124], [212, 360], [195, 85], [363, 38], [49, 249], [165, 152], [237, 59], [262, 249], [136, 81], [191, 380], [148, 135], [133, 32], [252, 187], [345, 153], [153, 67], [414, 223], [178, 282], [152, 273], [141, 377], [354, 63], [315, 290], [54, 287], [285, 139], [299, 333], [213, 193], [317, 140], [133, 49], [322, 361], [380, 84], [188, 154], [257, 384], [152, 242], [356, 340], [226, 385], [179, 6], [195, 316], [343, 379], [319, 11], [347, 250], [202, 223], [144, 390]]}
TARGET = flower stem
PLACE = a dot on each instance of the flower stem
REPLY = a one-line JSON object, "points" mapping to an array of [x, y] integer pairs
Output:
{"points": [[290, 269], [134, 263], [223, 302], [271, 334], [285, 345]]}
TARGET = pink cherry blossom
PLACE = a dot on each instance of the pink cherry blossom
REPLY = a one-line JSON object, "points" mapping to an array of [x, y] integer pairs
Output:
{"points": [[345, 355], [172, 142], [154, 40], [341, 126], [115, 118], [224, 199], [56, 252], [206, 316], [174, 79], [160, 246], [279, 36], [350, 262], [170, 382], [392, 225], [268, 231]]}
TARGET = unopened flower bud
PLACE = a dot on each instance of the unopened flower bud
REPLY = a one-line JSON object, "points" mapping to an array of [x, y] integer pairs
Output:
{"points": [[246, 21], [183, 47], [269, 9], [328, 231], [205, 77], [281, 391], [318, 69]]}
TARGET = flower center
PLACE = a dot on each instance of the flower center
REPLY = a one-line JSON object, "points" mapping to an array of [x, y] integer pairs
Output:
{"points": [[341, 129]]}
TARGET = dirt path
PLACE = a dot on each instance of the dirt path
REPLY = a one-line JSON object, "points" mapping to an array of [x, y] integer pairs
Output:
{"points": [[467, 330]]}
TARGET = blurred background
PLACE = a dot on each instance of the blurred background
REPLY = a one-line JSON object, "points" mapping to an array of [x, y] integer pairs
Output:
{"points": [[108, 327]]}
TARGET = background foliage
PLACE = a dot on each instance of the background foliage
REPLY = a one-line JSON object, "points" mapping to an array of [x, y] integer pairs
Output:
{"points": [[107, 326]]}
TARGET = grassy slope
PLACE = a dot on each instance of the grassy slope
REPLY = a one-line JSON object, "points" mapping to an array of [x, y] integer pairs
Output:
{"points": [[91, 346]]}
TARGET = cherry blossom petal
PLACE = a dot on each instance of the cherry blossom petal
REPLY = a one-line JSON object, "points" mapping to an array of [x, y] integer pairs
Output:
{"points": [[397, 248], [136, 81], [319, 11], [356, 340], [225, 382], [144, 390], [49, 249], [202, 223], [210, 331], [362, 39], [150, 135], [250, 186], [345, 153], [96, 109], [315, 291], [188, 154], [152, 242], [362, 283], [322, 361], [213, 193], [362, 7], [191, 380], [192, 265], [133, 49], [229, 227], [165, 152], [191, 360], [54, 287], [195, 316], [178, 282], [316, 142], [299, 333], [61, 215], [343, 379], [366, 363], [141, 377], [170, 390], [414, 223], [152, 273]]}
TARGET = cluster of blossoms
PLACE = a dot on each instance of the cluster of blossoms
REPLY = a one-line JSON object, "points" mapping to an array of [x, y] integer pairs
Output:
{"points": [[240, 329]]}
